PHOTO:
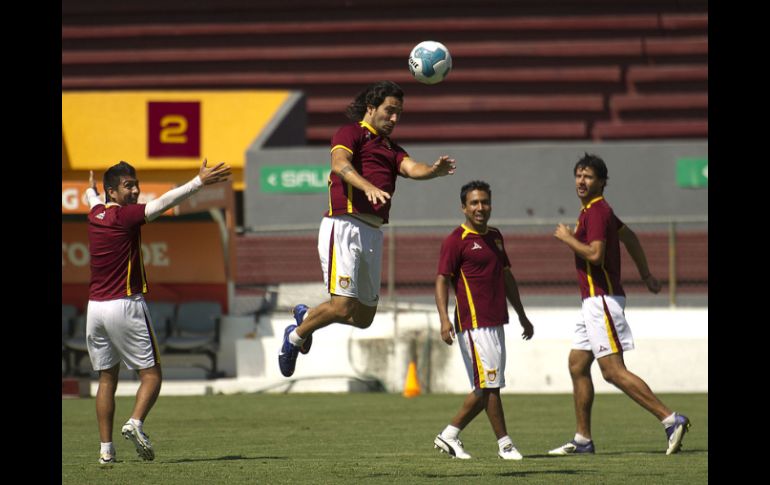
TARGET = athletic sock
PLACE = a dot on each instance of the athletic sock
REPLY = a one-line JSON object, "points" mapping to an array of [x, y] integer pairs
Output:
{"points": [[137, 422], [669, 421], [451, 432], [295, 339], [581, 440], [107, 448], [504, 441]]}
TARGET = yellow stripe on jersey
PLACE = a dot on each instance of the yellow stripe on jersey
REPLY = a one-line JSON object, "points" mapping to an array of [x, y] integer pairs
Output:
{"points": [[341, 146], [350, 199], [128, 276], [333, 272], [480, 369], [329, 190], [610, 337], [590, 279], [143, 273], [472, 307]]}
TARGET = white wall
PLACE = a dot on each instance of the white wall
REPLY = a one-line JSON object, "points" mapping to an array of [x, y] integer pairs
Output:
{"points": [[671, 353]]}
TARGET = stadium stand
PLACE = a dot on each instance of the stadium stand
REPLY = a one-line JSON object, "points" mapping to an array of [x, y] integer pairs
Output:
{"points": [[539, 261], [195, 330], [519, 66]]}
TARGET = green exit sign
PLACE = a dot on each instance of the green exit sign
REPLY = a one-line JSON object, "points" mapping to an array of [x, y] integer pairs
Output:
{"points": [[294, 178], [692, 173]]}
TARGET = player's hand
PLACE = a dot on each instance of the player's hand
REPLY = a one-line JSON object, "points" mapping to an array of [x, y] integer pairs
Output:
{"points": [[376, 196], [213, 175], [562, 232], [529, 330], [447, 332], [652, 283], [444, 166], [91, 181]]}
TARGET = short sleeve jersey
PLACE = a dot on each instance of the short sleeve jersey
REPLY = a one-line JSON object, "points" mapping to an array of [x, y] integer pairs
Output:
{"points": [[376, 158], [115, 244], [475, 263], [598, 222]]}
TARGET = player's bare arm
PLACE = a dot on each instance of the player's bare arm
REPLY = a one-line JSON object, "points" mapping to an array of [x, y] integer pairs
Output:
{"points": [[213, 175], [512, 293], [635, 250], [342, 166], [592, 252], [421, 171], [443, 283]]}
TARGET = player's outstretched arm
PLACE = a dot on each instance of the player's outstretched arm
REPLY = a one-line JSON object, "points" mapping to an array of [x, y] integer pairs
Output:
{"points": [[206, 176], [421, 171], [213, 175], [91, 193]]}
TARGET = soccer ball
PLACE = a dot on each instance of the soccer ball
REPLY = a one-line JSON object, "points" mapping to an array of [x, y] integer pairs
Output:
{"points": [[430, 62]]}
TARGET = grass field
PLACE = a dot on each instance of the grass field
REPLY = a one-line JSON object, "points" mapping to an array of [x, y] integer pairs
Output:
{"points": [[380, 438]]}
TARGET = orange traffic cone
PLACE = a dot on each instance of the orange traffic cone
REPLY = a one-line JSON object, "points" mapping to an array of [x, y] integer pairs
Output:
{"points": [[412, 385]]}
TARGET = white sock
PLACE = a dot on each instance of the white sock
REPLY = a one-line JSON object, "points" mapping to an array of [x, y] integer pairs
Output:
{"points": [[136, 422], [107, 448], [451, 432], [504, 441], [295, 339], [581, 440], [669, 420]]}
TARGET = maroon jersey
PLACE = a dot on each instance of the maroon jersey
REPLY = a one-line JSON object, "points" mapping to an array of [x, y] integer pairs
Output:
{"points": [[475, 262], [376, 158], [597, 222], [115, 244]]}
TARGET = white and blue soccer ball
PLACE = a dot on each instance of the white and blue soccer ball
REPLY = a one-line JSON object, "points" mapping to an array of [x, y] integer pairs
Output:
{"points": [[430, 62]]}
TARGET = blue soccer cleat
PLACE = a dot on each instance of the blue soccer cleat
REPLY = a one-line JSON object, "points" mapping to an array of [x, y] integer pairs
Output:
{"points": [[675, 433], [573, 448], [299, 312], [287, 357]]}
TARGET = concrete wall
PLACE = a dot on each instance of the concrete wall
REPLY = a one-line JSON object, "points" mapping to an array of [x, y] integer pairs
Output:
{"points": [[671, 353], [528, 180]]}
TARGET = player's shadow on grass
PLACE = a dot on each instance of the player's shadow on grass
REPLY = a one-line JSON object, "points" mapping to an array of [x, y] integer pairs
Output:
{"points": [[506, 474], [229, 458], [618, 453]]}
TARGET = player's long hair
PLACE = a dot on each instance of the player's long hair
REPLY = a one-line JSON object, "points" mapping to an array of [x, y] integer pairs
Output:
{"points": [[373, 95], [111, 178]]}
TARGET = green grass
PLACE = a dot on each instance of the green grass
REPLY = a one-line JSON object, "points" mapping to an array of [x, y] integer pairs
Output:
{"points": [[379, 438]]}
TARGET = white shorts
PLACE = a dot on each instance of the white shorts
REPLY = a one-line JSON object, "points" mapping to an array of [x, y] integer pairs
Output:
{"points": [[483, 351], [604, 329], [351, 258], [121, 330]]}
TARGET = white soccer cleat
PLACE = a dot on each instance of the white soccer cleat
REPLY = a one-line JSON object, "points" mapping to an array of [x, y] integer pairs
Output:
{"points": [[452, 447], [509, 452], [106, 458], [675, 433], [140, 440]]}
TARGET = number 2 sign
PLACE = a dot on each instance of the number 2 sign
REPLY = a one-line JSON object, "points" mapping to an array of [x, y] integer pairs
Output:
{"points": [[173, 129]]}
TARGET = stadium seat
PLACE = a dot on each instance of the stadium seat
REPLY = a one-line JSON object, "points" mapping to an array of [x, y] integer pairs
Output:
{"points": [[161, 314], [68, 313], [195, 330], [695, 128], [76, 344]]}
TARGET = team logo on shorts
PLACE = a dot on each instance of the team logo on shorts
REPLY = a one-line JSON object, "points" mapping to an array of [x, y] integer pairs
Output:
{"points": [[344, 282], [499, 243], [492, 375]]}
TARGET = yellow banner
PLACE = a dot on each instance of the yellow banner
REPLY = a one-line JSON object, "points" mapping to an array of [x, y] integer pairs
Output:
{"points": [[163, 130]]}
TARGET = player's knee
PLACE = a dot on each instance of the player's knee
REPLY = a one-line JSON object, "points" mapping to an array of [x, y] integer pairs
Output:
{"points": [[364, 316], [611, 375]]}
